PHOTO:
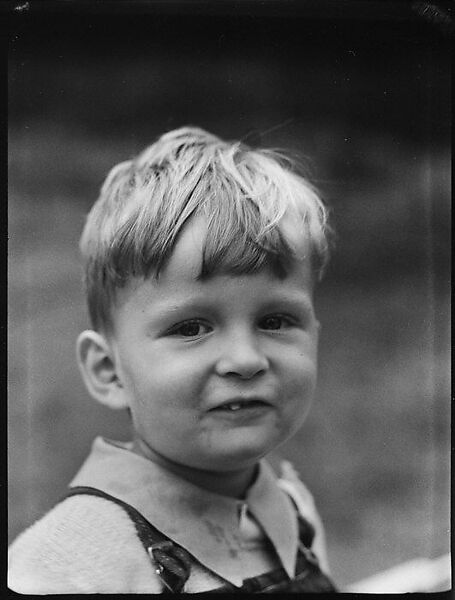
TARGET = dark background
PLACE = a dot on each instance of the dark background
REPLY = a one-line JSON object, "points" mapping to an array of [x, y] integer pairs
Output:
{"points": [[361, 91]]}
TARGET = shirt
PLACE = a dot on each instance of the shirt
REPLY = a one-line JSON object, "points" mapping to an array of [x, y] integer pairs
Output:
{"points": [[220, 531], [90, 545]]}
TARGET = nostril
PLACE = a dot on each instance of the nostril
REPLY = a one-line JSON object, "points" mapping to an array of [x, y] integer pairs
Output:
{"points": [[242, 367], [245, 375]]}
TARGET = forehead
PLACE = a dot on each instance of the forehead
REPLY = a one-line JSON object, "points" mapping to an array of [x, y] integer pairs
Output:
{"points": [[186, 258], [179, 283]]}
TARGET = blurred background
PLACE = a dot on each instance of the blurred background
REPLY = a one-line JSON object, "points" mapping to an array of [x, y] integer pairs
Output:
{"points": [[361, 91]]}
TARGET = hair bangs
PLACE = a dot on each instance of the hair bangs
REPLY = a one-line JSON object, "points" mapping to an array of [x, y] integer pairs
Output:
{"points": [[259, 213], [259, 216], [239, 238]]}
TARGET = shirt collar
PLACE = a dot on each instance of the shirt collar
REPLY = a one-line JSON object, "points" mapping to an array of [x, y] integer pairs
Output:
{"points": [[192, 513]]}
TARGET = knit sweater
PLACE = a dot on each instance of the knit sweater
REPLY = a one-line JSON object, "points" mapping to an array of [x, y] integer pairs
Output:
{"points": [[88, 544]]}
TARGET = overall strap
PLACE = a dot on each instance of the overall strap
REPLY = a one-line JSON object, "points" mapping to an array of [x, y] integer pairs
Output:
{"points": [[306, 531], [173, 563]]}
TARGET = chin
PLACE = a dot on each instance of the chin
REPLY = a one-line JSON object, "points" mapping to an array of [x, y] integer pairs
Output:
{"points": [[240, 455]]}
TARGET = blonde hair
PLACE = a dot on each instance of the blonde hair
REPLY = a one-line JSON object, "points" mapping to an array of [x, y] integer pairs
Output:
{"points": [[258, 211]]}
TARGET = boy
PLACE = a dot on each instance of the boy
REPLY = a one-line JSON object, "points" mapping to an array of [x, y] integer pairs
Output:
{"points": [[200, 261]]}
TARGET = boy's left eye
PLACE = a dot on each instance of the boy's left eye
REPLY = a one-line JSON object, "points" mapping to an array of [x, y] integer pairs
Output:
{"points": [[274, 322]]}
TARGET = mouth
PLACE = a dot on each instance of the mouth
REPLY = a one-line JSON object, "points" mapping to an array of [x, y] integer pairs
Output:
{"points": [[241, 404]]}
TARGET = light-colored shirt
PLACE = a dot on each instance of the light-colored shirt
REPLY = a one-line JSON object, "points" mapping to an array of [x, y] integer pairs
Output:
{"points": [[214, 528], [89, 545]]}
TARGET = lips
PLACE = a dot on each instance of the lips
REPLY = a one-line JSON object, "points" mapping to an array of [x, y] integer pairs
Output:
{"points": [[239, 404]]}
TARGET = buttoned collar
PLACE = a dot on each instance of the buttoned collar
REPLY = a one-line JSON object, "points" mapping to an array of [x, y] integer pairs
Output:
{"points": [[188, 514]]}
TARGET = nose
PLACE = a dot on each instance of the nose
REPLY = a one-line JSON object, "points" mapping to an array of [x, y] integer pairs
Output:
{"points": [[241, 356]]}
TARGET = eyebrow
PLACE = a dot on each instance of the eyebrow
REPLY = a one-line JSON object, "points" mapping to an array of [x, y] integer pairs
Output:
{"points": [[292, 300], [301, 300]]}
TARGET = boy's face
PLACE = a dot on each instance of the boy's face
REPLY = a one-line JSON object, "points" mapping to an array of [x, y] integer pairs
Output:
{"points": [[216, 373]]}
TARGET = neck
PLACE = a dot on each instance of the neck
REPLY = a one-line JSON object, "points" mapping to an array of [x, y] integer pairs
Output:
{"points": [[227, 483]]}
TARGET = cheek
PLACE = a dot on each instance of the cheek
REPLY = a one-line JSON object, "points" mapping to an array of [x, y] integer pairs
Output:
{"points": [[168, 382], [302, 384], [299, 364], [298, 388]]}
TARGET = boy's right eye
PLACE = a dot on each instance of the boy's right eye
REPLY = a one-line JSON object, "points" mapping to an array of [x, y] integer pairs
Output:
{"points": [[192, 328]]}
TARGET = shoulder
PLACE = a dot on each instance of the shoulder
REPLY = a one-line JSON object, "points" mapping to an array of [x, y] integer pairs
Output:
{"points": [[291, 483], [84, 544]]}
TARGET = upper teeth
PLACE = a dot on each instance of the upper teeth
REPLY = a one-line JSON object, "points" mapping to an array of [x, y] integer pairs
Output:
{"points": [[234, 406]]}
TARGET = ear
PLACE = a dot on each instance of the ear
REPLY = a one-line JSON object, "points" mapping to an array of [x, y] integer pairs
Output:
{"points": [[97, 364]]}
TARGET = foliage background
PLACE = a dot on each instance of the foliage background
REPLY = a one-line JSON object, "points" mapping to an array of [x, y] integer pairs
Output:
{"points": [[363, 93]]}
